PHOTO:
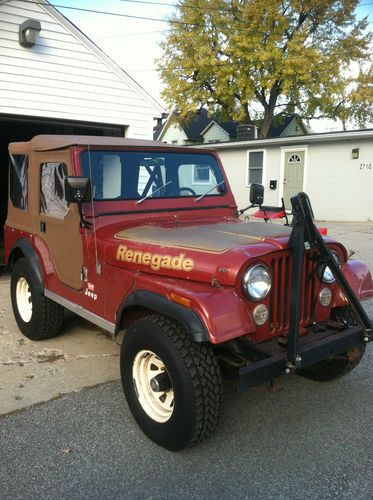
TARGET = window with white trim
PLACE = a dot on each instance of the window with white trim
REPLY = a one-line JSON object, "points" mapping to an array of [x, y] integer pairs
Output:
{"points": [[255, 167], [201, 174]]}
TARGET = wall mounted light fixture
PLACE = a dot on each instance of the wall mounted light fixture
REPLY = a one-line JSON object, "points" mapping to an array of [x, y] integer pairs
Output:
{"points": [[29, 32], [355, 153]]}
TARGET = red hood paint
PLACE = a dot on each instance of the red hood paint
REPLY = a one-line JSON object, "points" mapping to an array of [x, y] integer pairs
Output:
{"points": [[195, 252]]}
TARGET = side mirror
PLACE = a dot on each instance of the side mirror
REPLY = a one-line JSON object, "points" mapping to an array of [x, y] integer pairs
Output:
{"points": [[256, 194], [77, 189]]}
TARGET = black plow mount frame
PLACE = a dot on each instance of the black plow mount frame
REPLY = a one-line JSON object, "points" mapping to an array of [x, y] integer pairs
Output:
{"points": [[271, 360]]}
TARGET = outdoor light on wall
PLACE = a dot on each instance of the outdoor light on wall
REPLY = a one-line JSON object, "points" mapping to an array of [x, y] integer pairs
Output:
{"points": [[29, 32], [355, 154]]}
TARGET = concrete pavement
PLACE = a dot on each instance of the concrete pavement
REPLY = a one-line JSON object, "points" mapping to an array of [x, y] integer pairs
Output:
{"points": [[35, 372]]}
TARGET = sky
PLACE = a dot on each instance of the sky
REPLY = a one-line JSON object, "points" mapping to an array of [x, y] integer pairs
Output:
{"points": [[134, 43]]}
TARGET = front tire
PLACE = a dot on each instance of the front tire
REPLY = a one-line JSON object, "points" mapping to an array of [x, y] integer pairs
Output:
{"points": [[173, 386], [37, 317]]}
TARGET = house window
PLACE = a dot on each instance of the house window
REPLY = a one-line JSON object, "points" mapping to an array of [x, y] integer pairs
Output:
{"points": [[201, 174], [255, 173], [18, 181], [52, 190]]}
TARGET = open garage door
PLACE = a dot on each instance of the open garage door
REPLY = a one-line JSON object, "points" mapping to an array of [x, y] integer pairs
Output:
{"points": [[24, 128]]}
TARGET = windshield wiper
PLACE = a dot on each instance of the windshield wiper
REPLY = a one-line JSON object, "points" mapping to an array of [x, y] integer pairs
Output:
{"points": [[152, 193], [209, 191]]}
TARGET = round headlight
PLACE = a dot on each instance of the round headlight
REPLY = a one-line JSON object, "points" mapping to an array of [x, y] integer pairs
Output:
{"points": [[327, 275], [257, 282]]}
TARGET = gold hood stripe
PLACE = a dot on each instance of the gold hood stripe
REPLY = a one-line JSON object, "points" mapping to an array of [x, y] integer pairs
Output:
{"points": [[211, 238]]}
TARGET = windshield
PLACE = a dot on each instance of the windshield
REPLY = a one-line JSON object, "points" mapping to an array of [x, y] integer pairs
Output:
{"points": [[134, 175]]}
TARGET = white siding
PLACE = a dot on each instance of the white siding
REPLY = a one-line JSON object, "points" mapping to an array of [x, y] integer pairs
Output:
{"points": [[174, 133], [338, 189], [235, 162], [216, 134], [62, 77]]}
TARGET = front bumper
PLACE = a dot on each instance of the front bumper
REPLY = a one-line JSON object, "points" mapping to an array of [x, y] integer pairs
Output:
{"points": [[319, 344]]}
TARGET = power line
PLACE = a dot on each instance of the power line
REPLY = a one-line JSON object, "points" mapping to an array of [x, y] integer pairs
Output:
{"points": [[192, 7], [160, 31], [133, 34], [176, 21], [143, 18], [130, 16]]}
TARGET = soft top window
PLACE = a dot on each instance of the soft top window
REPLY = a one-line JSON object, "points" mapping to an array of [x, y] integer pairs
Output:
{"points": [[18, 181], [52, 190], [134, 175]]}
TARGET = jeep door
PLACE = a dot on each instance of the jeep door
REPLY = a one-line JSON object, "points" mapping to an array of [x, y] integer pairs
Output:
{"points": [[59, 222]]}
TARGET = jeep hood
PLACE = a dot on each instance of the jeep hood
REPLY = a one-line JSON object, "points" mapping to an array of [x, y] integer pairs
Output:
{"points": [[195, 252]]}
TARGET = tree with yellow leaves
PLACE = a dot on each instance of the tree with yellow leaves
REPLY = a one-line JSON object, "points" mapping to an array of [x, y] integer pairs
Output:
{"points": [[250, 59]]}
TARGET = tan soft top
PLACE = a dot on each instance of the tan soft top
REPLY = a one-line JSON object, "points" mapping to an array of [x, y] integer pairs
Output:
{"points": [[54, 142]]}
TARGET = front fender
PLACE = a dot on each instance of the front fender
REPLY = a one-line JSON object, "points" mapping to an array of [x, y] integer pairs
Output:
{"points": [[188, 318], [360, 280], [220, 314]]}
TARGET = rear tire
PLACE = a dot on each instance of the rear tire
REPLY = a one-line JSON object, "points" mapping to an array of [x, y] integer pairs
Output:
{"points": [[340, 365], [173, 386], [37, 317]]}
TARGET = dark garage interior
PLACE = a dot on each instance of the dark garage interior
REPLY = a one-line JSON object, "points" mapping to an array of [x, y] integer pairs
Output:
{"points": [[22, 128]]}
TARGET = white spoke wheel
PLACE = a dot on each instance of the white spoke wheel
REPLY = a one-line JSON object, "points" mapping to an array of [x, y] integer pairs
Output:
{"points": [[173, 385], [24, 299], [37, 317], [153, 386]]}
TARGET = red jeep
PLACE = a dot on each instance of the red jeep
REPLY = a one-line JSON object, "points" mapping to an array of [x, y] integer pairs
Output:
{"points": [[145, 238]]}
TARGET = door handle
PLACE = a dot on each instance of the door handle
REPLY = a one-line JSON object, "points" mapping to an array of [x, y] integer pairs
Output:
{"points": [[43, 226]]}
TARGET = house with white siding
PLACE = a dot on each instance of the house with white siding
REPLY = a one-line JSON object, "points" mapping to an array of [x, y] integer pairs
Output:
{"points": [[335, 169], [62, 83]]}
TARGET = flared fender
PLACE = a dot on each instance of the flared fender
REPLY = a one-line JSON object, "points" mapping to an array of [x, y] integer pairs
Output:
{"points": [[359, 278]]}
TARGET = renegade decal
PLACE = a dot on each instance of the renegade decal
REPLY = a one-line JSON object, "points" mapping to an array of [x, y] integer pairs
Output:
{"points": [[155, 260]]}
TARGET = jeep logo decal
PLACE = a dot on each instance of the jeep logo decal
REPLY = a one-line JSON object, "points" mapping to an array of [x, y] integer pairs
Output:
{"points": [[155, 260]]}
